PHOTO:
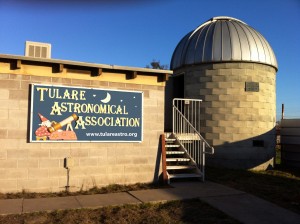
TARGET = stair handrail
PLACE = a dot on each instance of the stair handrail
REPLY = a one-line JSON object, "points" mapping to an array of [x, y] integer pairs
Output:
{"points": [[194, 129]]}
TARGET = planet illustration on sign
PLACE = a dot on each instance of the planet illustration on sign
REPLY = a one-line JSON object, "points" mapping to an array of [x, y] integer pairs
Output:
{"points": [[107, 98]]}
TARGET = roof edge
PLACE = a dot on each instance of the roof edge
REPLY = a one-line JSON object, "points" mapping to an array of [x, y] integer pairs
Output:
{"points": [[84, 64], [220, 62]]}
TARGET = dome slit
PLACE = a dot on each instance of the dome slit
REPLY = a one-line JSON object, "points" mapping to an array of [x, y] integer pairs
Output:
{"points": [[217, 43], [207, 55], [227, 49], [246, 49], [236, 39]]}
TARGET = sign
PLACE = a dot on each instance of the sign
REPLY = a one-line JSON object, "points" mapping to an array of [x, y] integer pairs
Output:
{"points": [[65, 113], [252, 87]]}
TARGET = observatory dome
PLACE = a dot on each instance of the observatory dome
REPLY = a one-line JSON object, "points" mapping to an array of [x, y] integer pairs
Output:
{"points": [[223, 39]]}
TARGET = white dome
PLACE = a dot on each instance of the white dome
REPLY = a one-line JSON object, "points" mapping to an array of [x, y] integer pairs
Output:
{"points": [[223, 39]]}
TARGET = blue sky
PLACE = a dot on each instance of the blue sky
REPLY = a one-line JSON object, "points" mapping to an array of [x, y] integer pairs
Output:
{"points": [[134, 32]]}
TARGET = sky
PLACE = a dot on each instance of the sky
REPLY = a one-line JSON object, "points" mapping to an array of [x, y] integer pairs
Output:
{"points": [[136, 32]]}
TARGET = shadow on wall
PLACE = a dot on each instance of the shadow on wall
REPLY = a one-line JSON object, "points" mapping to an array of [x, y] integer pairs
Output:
{"points": [[157, 170], [256, 153]]}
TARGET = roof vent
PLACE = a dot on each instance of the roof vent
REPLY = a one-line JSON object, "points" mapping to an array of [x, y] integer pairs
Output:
{"points": [[37, 49]]}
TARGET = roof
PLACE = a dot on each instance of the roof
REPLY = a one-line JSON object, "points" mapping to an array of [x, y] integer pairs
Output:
{"points": [[223, 39], [16, 62], [81, 65]]}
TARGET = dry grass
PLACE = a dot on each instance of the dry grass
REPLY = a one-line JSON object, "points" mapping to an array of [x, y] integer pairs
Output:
{"points": [[113, 188], [189, 211]]}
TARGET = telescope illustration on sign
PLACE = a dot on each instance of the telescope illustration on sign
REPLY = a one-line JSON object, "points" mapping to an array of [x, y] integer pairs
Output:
{"points": [[59, 125], [53, 130]]}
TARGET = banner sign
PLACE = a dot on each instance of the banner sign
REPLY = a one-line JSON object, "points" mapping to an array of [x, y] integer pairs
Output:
{"points": [[65, 113]]}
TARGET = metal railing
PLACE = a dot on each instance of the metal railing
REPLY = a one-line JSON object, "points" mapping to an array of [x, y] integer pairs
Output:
{"points": [[186, 127]]}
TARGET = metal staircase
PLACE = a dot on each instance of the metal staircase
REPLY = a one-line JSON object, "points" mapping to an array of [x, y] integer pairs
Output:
{"points": [[183, 150], [178, 162]]}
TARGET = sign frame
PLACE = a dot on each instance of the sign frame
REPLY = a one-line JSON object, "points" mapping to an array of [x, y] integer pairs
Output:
{"points": [[123, 120]]}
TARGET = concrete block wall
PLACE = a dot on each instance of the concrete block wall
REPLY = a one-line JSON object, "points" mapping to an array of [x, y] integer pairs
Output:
{"points": [[39, 167], [231, 118]]}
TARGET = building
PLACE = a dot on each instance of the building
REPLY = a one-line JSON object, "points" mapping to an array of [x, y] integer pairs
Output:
{"points": [[232, 68], [34, 159], [67, 125]]}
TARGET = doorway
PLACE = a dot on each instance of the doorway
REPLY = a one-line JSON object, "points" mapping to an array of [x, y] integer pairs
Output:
{"points": [[174, 89]]}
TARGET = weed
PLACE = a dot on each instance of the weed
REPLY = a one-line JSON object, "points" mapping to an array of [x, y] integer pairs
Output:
{"points": [[113, 188]]}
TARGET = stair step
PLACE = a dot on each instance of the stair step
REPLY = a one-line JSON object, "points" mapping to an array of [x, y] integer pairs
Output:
{"points": [[170, 139], [188, 136], [174, 152], [185, 175], [180, 167], [177, 159], [167, 134], [172, 146]]}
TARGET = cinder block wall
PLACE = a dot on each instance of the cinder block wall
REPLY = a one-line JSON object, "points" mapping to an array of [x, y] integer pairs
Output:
{"points": [[38, 167], [232, 118]]}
